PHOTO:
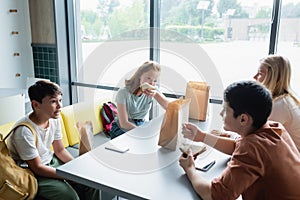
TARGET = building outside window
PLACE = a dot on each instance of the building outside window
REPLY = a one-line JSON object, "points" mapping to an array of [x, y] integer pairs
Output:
{"points": [[219, 43]]}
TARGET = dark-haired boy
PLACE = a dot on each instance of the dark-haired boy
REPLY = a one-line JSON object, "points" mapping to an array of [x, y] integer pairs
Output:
{"points": [[46, 102], [265, 162]]}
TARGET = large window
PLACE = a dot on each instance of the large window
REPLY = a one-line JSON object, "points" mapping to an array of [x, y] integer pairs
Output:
{"points": [[233, 34], [289, 38], [114, 40], [217, 41]]}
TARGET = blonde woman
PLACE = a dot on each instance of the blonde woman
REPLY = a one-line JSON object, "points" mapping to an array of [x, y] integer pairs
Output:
{"points": [[275, 74], [134, 101]]}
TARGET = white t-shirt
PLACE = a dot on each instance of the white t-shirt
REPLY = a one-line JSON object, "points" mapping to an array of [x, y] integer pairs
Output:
{"points": [[22, 144], [286, 111]]}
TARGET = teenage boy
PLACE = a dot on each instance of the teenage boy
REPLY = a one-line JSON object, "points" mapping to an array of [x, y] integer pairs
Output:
{"points": [[46, 102], [265, 162]]}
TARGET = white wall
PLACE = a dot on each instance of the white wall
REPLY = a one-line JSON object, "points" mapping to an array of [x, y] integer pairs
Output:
{"points": [[14, 70], [12, 106]]}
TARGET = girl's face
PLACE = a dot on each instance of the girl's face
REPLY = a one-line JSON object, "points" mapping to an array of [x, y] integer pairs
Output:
{"points": [[149, 77], [261, 74]]}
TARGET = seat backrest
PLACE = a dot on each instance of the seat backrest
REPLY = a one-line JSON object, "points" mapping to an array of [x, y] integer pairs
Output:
{"points": [[64, 134], [5, 128], [81, 112]]}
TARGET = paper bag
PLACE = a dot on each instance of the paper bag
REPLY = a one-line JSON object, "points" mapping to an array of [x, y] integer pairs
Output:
{"points": [[177, 112], [198, 92], [86, 135]]}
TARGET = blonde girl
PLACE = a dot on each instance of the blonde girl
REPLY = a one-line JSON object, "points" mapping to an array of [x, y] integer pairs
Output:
{"points": [[275, 74], [133, 103]]}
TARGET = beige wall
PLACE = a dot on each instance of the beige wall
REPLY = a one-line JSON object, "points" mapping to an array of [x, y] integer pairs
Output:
{"points": [[42, 21], [289, 29]]}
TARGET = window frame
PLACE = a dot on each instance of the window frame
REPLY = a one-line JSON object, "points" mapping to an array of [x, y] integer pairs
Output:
{"points": [[68, 73]]}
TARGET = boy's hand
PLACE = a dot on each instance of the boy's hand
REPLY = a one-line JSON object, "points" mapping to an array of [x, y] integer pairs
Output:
{"points": [[220, 133], [189, 131], [195, 149], [186, 161]]}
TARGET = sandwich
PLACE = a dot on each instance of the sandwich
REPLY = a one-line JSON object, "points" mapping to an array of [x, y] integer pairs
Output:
{"points": [[146, 85], [195, 148]]}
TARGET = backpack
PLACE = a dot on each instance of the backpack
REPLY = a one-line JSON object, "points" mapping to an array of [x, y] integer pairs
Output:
{"points": [[108, 113], [16, 183]]}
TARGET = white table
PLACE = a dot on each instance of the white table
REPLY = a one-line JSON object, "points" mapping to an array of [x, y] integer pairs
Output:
{"points": [[146, 171]]}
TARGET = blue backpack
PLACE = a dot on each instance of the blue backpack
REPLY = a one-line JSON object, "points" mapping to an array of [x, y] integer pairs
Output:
{"points": [[108, 113]]}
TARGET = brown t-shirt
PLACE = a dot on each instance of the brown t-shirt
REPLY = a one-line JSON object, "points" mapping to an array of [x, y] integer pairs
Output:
{"points": [[264, 165]]}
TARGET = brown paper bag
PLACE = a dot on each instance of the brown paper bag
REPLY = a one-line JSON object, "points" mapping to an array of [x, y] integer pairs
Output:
{"points": [[86, 136], [177, 112], [198, 92]]}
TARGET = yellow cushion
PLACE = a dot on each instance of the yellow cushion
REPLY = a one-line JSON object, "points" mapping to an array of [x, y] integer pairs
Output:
{"points": [[5, 128], [64, 134], [81, 112]]}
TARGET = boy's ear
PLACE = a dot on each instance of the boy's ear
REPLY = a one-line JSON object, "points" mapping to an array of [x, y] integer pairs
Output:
{"points": [[34, 104], [244, 118]]}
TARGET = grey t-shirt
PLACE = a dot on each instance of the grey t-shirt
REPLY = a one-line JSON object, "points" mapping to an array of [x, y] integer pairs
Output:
{"points": [[137, 106]]}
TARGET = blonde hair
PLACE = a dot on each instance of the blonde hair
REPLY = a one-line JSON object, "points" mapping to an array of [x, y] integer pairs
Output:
{"points": [[278, 76], [133, 84]]}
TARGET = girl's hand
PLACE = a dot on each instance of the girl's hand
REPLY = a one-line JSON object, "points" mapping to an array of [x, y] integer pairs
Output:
{"points": [[149, 92], [148, 89]]}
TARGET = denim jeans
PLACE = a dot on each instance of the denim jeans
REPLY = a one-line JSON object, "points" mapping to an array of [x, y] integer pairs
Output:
{"points": [[117, 131]]}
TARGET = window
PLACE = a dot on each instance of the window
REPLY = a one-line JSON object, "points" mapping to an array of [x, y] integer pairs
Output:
{"points": [[289, 38], [217, 41], [114, 41], [226, 38]]}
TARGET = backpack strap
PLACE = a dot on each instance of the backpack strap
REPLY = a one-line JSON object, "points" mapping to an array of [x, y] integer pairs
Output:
{"points": [[113, 104], [114, 109], [103, 112], [28, 125]]}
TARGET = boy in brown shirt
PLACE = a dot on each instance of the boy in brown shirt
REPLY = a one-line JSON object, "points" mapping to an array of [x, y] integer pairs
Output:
{"points": [[265, 162]]}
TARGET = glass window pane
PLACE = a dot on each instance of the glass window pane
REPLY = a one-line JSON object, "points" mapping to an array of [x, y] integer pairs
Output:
{"points": [[114, 40], [214, 41], [289, 38]]}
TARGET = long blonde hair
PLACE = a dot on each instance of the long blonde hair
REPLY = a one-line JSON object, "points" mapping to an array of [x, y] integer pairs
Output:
{"points": [[133, 84], [278, 76]]}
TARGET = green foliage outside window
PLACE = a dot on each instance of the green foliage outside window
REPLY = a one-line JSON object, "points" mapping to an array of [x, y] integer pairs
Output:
{"points": [[110, 20]]}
